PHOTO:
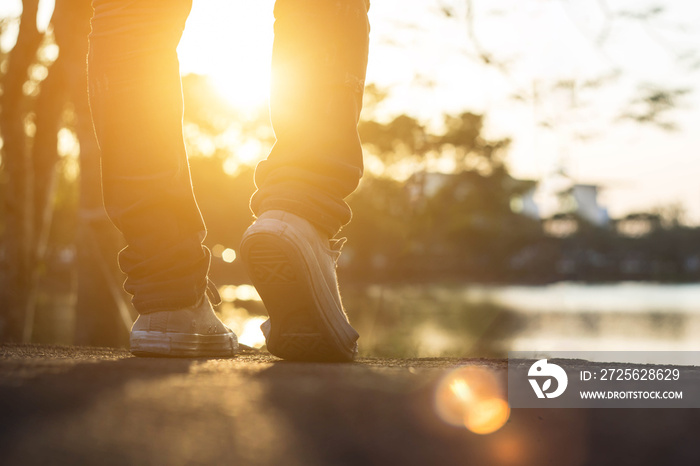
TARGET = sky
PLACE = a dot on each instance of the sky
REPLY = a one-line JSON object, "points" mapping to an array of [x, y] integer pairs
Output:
{"points": [[429, 64]]}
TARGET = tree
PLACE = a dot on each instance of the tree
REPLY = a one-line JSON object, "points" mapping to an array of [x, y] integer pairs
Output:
{"points": [[18, 231], [599, 24], [39, 100]]}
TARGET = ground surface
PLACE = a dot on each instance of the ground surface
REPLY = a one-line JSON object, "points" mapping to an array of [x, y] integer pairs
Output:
{"points": [[62, 405]]}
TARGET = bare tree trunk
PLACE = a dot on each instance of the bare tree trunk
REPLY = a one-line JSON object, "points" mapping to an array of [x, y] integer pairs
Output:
{"points": [[103, 314], [50, 105], [18, 234]]}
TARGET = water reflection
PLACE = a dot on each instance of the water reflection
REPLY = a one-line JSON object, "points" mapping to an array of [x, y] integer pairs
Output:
{"points": [[233, 293], [243, 324], [241, 310], [458, 321], [453, 320]]}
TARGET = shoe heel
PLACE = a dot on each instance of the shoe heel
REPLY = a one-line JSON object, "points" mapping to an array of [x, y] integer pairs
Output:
{"points": [[269, 264], [296, 333]]}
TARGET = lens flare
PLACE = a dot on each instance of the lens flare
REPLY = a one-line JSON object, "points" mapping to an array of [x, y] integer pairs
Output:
{"points": [[472, 397], [228, 255], [487, 416]]}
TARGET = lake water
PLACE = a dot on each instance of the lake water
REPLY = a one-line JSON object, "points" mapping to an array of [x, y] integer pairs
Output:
{"points": [[488, 321], [469, 321], [430, 320]]}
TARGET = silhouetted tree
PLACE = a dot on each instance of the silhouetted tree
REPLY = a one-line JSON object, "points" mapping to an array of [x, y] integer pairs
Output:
{"points": [[34, 110], [18, 231]]}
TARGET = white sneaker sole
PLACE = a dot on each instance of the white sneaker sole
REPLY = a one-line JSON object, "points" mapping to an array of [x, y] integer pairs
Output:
{"points": [[183, 345]]}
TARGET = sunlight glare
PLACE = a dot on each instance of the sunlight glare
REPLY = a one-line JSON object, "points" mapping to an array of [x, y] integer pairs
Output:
{"points": [[471, 397], [231, 42], [227, 293], [68, 144], [231, 166], [250, 151], [487, 416], [244, 89], [432, 340], [247, 293], [244, 325], [461, 389], [251, 334]]}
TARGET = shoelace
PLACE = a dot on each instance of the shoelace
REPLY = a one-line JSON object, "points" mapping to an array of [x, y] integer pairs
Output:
{"points": [[336, 245], [213, 293]]}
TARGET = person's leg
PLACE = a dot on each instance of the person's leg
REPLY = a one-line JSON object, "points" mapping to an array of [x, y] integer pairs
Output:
{"points": [[137, 107], [136, 102], [319, 60]]}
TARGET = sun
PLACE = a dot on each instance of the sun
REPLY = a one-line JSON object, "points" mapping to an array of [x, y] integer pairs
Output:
{"points": [[244, 90], [231, 42]]}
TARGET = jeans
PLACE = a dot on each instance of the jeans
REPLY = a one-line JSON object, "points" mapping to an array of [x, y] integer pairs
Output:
{"points": [[318, 64]]}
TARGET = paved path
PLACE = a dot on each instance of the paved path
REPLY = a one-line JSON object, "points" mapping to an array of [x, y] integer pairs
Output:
{"points": [[61, 405]]}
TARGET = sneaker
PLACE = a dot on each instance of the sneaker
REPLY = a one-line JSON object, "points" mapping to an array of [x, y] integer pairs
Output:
{"points": [[191, 332], [292, 265]]}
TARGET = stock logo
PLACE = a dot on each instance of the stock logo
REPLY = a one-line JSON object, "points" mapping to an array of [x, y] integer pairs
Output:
{"points": [[542, 369]]}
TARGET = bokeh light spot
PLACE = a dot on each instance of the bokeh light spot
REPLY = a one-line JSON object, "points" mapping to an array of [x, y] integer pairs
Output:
{"points": [[217, 250], [227, 293], [251, 334], [243, 324], [230, 293], [472, 397], [487, 416], [228, 255], [247, 293]]}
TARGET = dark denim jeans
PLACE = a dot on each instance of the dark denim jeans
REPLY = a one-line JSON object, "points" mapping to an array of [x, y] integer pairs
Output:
{"points": [[319, 61]]}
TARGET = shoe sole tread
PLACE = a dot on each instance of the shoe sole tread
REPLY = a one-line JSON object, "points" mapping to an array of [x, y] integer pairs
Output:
{"points": [[299, 330]]}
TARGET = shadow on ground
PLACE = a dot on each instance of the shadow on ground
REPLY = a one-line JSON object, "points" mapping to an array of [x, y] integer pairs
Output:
{"points": [[61, 405]]}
